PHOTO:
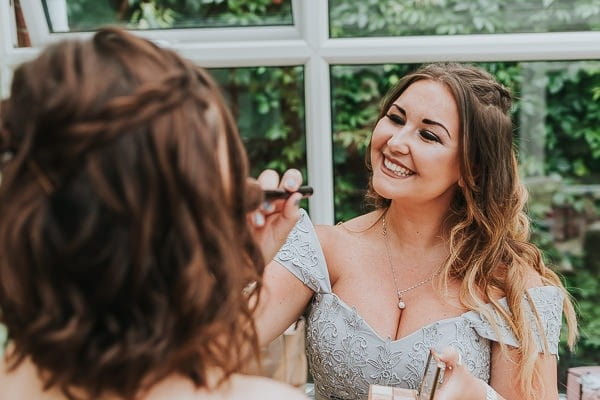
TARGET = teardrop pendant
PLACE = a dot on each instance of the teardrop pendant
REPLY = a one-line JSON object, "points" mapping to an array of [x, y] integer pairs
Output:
{"points": [[401, 305]]}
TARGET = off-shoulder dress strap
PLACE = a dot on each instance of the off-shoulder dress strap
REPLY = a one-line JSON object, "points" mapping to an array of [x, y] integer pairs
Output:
{"points": [[303, 257], [548, 302]]}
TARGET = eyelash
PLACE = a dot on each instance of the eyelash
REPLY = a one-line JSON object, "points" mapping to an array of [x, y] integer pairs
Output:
{"points": [[425, 134]]}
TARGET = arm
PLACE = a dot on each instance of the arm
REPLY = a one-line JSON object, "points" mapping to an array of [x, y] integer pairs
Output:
{"points": [[283, 297], [282, 301], [459, 383], [503, 376]]}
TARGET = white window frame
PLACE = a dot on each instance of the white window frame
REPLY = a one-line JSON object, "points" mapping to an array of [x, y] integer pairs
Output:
{"points": [[307, 43]]}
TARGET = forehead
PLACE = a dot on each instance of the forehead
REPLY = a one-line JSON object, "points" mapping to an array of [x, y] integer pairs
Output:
{"points": [[429, 97]]}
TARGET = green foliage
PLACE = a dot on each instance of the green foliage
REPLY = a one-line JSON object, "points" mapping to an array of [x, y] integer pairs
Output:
{"points": [[89, 14], [3, 338], [452, 17], [160, 14], [573, 121], [268, 104], [585, 289], [356, 97]]}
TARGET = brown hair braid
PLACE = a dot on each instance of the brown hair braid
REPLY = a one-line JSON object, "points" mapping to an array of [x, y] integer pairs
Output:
{"points": [[131, 265]]}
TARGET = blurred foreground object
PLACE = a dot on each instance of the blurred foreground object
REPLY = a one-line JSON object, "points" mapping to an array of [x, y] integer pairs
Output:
{"points": [[583, 383], [378, 392], [590, 387], [285, 358]]}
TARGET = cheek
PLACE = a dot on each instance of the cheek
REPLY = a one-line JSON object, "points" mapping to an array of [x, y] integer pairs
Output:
{"points": [[436, 164], [378, 137], [449, 168]]}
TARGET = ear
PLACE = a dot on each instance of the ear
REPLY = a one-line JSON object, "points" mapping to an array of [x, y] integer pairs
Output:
{"points": [[461, 183]]}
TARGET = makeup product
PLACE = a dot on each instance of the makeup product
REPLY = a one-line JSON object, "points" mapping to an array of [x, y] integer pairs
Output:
{"points": [[378, 392], [433, 376], [280, 194]]}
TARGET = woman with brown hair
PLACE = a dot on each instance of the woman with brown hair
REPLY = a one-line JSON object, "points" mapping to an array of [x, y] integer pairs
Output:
{"points": [[126, 251], [443, 261]]}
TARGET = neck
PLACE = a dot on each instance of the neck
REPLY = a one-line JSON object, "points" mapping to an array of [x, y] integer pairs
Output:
{"points": [[416, 228]]}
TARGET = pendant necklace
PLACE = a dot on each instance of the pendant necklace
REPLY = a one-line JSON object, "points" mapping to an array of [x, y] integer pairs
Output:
{"points": [[400, 293]]}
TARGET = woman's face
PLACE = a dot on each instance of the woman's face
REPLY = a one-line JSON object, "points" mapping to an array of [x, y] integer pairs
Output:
{"points": [[414, 147]]}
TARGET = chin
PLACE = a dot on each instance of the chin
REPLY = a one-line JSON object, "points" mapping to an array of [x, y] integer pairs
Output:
{"points": [[384, 189]]}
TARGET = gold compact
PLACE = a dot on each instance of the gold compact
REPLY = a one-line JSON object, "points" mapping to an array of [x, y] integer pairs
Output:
{"points": [[433, 376]]}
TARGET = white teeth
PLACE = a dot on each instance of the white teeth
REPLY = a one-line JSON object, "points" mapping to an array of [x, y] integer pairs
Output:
{"points": [[396, 169]]}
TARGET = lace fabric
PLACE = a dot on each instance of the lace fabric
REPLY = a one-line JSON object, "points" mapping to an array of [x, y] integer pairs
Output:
{"points": [[345, 354]]}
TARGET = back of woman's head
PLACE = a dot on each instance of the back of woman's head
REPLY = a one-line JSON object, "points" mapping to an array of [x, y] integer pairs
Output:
{"points": [[122, 223]]}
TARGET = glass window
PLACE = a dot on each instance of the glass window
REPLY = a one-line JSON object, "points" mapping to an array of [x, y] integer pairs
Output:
{"points": [[452, 17], [3, 338], [268, 105], [88, 15], [557, 120]]}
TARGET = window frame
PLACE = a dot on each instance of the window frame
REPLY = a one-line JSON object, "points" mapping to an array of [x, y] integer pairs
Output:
{"points": [[307, 43], [41, 35]]}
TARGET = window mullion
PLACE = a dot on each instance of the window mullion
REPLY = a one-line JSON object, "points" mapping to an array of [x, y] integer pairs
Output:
{"points": [[6, 46], [246, 54], [314, 28], [500, 47]]}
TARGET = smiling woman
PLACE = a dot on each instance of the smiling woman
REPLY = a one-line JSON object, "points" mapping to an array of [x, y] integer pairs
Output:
{"points": [[411, 153], [444, 260]]}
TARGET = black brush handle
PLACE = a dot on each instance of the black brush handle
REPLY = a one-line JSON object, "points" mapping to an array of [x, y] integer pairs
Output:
{"points": [[277, 194]]}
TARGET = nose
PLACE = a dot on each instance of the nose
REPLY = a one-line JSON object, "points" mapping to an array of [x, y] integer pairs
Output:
{"points": [[398, 142]]}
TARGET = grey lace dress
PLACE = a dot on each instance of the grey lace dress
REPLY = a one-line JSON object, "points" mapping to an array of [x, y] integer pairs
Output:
{"points": [[345, 354]]}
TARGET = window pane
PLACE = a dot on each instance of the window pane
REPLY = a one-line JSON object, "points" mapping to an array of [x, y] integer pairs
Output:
{"points": [[87, 15], [268, 105], [452, 17], [557, 116]]}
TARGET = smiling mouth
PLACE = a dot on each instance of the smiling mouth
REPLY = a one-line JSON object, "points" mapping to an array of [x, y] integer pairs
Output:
{"points": [[397, 169]]}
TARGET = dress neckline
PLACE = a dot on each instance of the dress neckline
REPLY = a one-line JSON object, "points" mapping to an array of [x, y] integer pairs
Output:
{"points": [[448, 320]]}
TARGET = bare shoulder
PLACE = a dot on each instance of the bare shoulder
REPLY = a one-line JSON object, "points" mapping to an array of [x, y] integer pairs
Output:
{"points": [[22, 382], [345, 235], [346, 230], [533, 279], [259, 388]]}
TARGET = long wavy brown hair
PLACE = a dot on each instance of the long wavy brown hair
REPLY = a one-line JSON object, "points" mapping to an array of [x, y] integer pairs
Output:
{"points": [[125, 248], [486, 227]]}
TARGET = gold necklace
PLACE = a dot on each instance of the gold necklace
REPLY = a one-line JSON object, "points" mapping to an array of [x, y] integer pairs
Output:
{"points": [[400, 293]]}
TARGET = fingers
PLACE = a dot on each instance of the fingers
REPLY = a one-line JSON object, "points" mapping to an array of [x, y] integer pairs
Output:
{"points": [[450, 356], [291, 180], [268, 179], [289, 208], [274, 219], [254, 195]]}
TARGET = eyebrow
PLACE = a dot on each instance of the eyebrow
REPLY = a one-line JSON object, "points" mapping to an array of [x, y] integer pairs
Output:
{"points": [[426, 120]]}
